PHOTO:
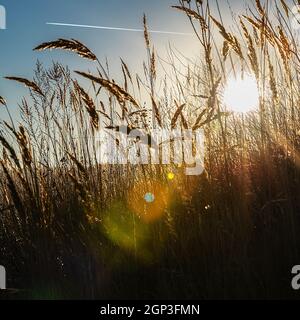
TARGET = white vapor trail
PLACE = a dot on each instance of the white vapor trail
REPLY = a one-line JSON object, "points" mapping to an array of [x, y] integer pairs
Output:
{"points": [[117, 29]]}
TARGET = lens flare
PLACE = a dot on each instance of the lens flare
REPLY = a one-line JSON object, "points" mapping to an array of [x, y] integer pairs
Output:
{"points": [[149, 200], [149, 197], [171, 176], [124, 229]]}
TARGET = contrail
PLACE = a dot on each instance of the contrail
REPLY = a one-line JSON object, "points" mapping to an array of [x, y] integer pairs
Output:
{"points": [[117, 29]]}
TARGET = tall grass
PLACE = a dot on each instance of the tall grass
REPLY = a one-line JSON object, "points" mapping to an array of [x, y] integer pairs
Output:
{"points": [[72, 228]]}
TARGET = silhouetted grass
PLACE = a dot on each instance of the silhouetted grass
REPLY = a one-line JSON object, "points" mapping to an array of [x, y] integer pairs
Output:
{"points": [[72, 228]]}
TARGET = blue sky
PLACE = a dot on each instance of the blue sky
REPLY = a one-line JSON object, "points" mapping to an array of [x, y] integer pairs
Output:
{"points": [[26, 28]]}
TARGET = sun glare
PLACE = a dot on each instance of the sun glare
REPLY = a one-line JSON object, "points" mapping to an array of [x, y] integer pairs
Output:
{"points": [[241, 94]]}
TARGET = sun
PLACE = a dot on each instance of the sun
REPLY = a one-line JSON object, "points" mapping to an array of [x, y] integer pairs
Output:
{"points": [[241, 94]]}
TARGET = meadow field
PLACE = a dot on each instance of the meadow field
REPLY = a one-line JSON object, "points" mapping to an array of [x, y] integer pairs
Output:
{"points": [[73, 228]]}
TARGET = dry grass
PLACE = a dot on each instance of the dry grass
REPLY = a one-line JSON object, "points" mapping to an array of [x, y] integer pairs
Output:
{"points": [[71, 227], [70, 45]]}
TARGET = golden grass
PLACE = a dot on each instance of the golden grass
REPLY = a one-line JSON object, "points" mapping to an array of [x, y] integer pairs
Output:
{"points": [[60, 208]]}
